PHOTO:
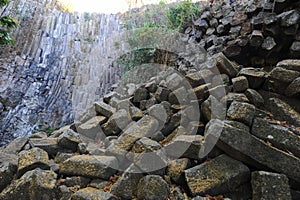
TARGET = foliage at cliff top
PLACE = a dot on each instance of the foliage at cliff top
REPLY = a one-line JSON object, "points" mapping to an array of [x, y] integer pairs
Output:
{"points": [[6, 25]]}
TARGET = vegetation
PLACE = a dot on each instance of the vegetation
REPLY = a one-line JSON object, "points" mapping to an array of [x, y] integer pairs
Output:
{"points": [[6, 25]]}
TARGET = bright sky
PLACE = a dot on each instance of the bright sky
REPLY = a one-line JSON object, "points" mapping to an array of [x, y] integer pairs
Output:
{"points": [[106, 6]]}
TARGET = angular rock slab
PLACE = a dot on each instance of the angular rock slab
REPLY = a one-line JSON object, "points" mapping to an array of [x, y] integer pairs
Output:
{"points": [[104, 109], [16, 145], [267, 185], [31, 159], [213, 177], [69, 140], [92, 194], [50, 145], [7, 172], [243, 146], [152, 187], [90, 166], [242, 112], [36, 184]]}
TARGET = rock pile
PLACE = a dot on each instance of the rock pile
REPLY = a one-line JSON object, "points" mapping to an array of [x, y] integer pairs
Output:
{"points": [[254, 33], [198, 135]]}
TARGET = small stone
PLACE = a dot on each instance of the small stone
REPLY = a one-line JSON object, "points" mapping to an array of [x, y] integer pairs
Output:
{"points": [[242, 112], [82, 148], [104, 109], [174, 81], [151, 87], [92, 193], [90, 166], [199, 77], [212, 177], [39, 135], [69, 139], [267, 185], [289, 18], [254, 97], [201, 91], [135, 113], [98, 183], [230, 97], [31, 159], [152, 187], [268, 44], [240, 84], [116, 123], [76, 181], [140, 94], [7, 172], [256, 38], [162, 94], [255, 77]]}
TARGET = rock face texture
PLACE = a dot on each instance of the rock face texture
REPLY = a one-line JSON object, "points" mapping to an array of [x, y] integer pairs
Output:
{"points": [[49, 75]]}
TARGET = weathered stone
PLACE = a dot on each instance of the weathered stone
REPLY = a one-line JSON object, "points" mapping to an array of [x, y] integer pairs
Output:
{"points": [[179, 96], [145, 145], [230, 97], [185, 146], [239, 18], [224, 65], [92, 193], [39, 135], [176, 194], [127, 184], [289, 18], [254, 97], [158, 111], [175, 169], [7, 172], [158, 136], [50, 145], [116, 123], [221, 79], [98, 183], [267, 185], [36, 184], [174, 122], [152, 187], [140, 94], [173, 81], [162, 94], [279, 136], [199, 77], [290, 64], [256, 38], [284, 75], [294, 88], [242, 112], [104, 109], [82, 148], [63, 192], [240, 84], [91, 127], [268, 43], [283, 111], [146, 104], [90, 166], [69, 139], [212, 177], [76, 181], [31, 159], [135, 113], [61, 157], [151, 87], [247, 148], [201, 91], [16, 145], [255, 77]]}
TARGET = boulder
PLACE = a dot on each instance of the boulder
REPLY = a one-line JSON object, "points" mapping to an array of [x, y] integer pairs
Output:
{"points": [[31, 159], [254, 97], [104, 109], [255, 76], [162, 94], [140, 94], [201, 91], [267, 185], [91, 127], [240, 84], [152, 187], [293, 89], [212, 177], [7, 172], [116, 123], [76, 181], [289, 18], [35, 184], [241, 145], [242, 112], [90, 166], [283, 75], [92, 193], [279, 136], [50, 145], [69, 140], [199, 77], [224, 65], [175, 169], [16, 145], [290, 64]]}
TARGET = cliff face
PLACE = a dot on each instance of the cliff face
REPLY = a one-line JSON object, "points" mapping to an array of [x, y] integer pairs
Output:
{"points": [[53, 58]]}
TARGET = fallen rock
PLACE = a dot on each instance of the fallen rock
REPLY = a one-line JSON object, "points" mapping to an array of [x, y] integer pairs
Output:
{"points": [[140, 94], [31, 159], [199, 77], [175, 169], [279, 136], [90, 166], [92, 193], [294, 88], [243, 146], [283, 75], [7, 172], [76, 181], [255, 76], [224, 65], [267, 185], [152, 187], [69, 140], [116, 123], [290, 64], [212, 177], [254, 97], [35, 184], [104, 109], [50, 145], [242, 112], [16, 145], [91, 128], [240, 84]]}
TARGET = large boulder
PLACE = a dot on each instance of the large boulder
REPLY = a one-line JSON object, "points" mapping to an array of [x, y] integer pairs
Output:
{"points": [[212, 177], [242, 112]]}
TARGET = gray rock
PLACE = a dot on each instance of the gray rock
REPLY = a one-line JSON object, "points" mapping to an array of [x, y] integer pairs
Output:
{"points": [[289, 18], [254, 97], [176, 194], [92, 193], [179, 96], [82, 148], [39, 135], [174, 122], [247, 148], [50, 145], [140, 94], [158, 111], [135, 113], [284, 75], [76, 181], [31, 159], [126, 186], [162, 94], [92, 127], [36, 184], [224, 65], [255, 77], [199, 77], [268, 44], [242, 112], [69, 139], [212, 177], [267, 185], [256, 38], [63, 192], [151, 87], [158, 136], [240, 84], [85, 165], [294, 88], [16, 145], [231, 97], [212, 109], [7, 172], [221, 79], [61, 157], [145, 145], [283, 111], [104, 109], [279, 136], [98, 183], [173, 81], [116, 123], [146, 104], [290, 64], [202, 91], [175, 169], [152, 187]]}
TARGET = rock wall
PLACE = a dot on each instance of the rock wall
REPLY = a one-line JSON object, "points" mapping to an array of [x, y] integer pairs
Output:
{"points": [[56, 66]]}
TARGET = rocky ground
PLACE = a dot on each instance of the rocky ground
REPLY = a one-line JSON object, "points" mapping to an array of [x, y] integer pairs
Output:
{"points": [[224, 132]]}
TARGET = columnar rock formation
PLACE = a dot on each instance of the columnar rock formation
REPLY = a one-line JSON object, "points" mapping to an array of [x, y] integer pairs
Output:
{"points": [[55, 58]]}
